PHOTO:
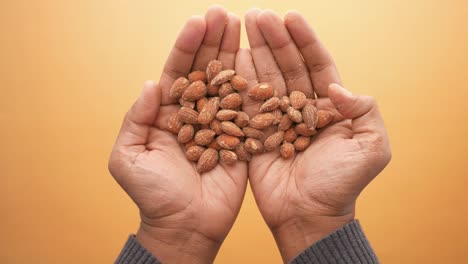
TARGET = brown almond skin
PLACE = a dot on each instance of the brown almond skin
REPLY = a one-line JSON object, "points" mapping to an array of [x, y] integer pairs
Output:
{"points": [[214, 145], [225, 89], [228, 157], [208, 160], [212, 90], [287, 150], [285, 123], [242, 153], [309, 116], [324, 118], [260, 92], [278, 115], [252, 132], [227, 141], [253, 146], [261, 121], [174, 124], [187, 115], [222, 77], [301, 143], [290, 135], [214, 67], [208, 113], [188, 104], [303, 130], [178, 87], [226, 114], [239, 83], [242, 119], [189, 144], [197, 76], [298, 99], [270, 105], [231, 129], [215, 125], [193, 153], [284, 103], [273, 141], [185, 134], [201, 103], [294, 115], [231, 101], [195, 91], [204, 137]]}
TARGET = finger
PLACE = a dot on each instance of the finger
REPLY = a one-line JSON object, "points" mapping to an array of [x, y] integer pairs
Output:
{"points": [[321, 67], [245, 68], [140, 117], [367, 124], [265, 64], [216, 19], [231, 42], [182, 55], [285, 52]]}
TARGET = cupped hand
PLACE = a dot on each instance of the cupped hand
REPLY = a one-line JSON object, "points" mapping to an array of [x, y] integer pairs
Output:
{"points": [[309, 196], [185, 216]]}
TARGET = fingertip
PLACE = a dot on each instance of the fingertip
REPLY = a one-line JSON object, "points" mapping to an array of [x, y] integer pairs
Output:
{"points": [[291, 16], [267, 17], [335, 88], [233, 18], [251, 14], [216, 12], [197, 23]]}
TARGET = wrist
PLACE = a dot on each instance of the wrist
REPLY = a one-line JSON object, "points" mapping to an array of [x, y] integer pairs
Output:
{"points": [[298, 234], [177, 246]]}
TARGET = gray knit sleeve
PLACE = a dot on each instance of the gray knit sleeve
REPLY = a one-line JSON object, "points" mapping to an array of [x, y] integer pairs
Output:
{"points": [[134, 253], [346, 245]]}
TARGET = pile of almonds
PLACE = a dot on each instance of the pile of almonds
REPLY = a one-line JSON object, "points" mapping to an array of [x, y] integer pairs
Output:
{"points": [[213, 127]]}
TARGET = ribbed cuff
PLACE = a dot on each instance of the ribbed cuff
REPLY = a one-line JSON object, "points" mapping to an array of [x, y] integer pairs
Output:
{"points": [[346, 245], [134, 253]]}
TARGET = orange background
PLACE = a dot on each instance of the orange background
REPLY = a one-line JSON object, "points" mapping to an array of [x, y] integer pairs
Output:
{"points": [[69, 70]]}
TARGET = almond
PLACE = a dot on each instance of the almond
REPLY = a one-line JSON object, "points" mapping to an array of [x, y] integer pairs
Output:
{"points": [[214, 67], [231, 129], [303, 130], [309, 115], [261, 121], [285, 123], [301, 143], [226, 114], [277, 116], [201, 103], [188, 104], [212, 90], [204, 137], [228, 157], [222, 77], [193, 153], [298, 99], [197, 76], [252, 132], [294, 115], [189, 144], [185, 134], [287, 150], [260, 92], [227, 141], [215, 125], [214, 144], [324, 118], [178, 87], [253, 146], [239, 83], [273, 141], [174, 124], [290, 135], [208, 160], [242, 119], [270, 105], [195, 91], [225, 90], [209, 111], [284, 103], [187, 115], [231, 101], [242, 153]]}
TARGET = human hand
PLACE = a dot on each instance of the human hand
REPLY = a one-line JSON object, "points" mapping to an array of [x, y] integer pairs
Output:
{"points": [[185, 216], [309, 196]]}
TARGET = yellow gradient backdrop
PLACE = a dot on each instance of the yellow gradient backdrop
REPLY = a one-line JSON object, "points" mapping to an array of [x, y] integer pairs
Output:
{"points": [[69, 70]]}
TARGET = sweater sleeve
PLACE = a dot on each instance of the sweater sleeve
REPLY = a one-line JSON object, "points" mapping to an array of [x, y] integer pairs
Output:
{"points": [[345, 245], [134, 253]]}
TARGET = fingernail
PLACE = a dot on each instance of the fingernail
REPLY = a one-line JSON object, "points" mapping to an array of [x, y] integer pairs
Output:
{"points": [[341, 89]]}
